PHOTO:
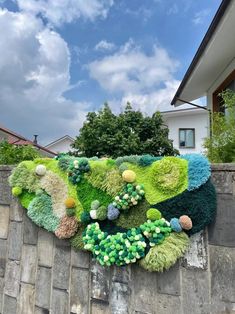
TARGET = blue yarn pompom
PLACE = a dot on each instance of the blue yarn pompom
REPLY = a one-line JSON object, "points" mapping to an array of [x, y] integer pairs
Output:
{"points": [[175, 225], [113, 212]]}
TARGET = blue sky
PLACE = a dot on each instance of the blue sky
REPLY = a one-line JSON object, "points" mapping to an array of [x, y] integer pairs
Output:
{"points": [[60, 59]]}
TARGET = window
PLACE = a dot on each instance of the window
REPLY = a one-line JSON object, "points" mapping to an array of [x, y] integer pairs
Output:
{"points": [[187, 138]]}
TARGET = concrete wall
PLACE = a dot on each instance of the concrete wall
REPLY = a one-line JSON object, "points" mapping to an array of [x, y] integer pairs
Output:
{"points": [[198, 121], [41, 274]]}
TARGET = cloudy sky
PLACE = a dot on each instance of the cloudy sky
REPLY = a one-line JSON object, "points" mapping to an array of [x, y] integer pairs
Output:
{"points": [[60, 59]]}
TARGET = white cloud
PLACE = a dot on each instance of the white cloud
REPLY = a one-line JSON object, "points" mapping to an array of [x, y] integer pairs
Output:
{"points": [[34, 74], [199, 17], [58, 12], [104, 45], [173, 9], [147, 81], [130, 70]]}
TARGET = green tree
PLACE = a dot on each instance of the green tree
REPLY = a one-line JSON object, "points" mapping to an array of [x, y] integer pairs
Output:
{"points": [[220, 147], [107, 134], [12, 154]]}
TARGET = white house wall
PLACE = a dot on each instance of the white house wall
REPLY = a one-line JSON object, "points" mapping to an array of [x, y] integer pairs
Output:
{"points": [[62, 146], [197, 121]]}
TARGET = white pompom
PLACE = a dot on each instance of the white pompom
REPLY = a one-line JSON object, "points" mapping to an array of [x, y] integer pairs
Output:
{"points": [[40, 170], [93, 214]]}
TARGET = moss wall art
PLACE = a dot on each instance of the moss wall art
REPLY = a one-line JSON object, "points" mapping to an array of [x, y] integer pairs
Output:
{"points": [[135, 209]]}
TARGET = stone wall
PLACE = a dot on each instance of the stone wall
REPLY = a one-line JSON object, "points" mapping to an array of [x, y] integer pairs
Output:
{"points": [[41, 274]]}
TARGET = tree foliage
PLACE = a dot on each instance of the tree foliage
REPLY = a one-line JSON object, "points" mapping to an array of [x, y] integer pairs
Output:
{"points": [[12, 154], [221, 145], [130, 132]]}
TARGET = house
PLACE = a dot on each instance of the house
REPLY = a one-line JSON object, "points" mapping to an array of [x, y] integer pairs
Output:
{"points": [[212, 69], [187, 128], [61, 145], [16, 139]]}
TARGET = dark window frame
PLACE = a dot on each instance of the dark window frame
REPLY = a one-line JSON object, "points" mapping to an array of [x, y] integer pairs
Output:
{"points": [[185, 129]]}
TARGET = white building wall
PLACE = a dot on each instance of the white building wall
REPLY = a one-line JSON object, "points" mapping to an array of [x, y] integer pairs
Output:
{"points": [[197, 121], [62, 146]]}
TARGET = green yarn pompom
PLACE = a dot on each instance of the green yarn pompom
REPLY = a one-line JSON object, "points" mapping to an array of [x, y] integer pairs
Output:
{"points": [[70, 211], [16, 191], [153, 214], [101, 213]]}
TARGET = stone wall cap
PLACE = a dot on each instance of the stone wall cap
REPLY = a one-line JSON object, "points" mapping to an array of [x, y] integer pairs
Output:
{"points": [[6, 167], [223, 167]]}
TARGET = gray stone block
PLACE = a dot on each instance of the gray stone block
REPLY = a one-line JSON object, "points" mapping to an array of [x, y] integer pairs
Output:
{"points": [[39, 310], [168, 282], [165, 304], [9, 305], [45, 248], [43, 287], [1, 292], [80, 259], [119, 298], [12, 278], [223, 181], [195, 291], [121, 274], [197, 254], [79, 296], [99, 307], [59, 302], [100, 277], [61, 269], [3, 255], [30, 231], [144, 287], [26, 299], [222, 261], [28, 264], [16, 212], [222, 231], [4, 221], [5, 190], [15, 240]]}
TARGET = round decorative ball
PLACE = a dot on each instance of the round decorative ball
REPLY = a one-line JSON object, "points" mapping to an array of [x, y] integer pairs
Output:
{"points": [[16, 191], [95, 205], [85, 217], [153, 214], [70, 212], [113, 212], [186, 222], [70, 202], [101, 213], [129, 176], [93, 214], [175, 225], [40, 170]]}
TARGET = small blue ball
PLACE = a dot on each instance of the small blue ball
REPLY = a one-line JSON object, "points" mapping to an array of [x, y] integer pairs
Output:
{"points": [[113, 212], [175, 225]]}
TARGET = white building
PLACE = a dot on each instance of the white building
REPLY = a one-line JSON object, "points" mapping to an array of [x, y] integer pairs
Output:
{"points": [[187, 128], [212, 69], [61, 145]]}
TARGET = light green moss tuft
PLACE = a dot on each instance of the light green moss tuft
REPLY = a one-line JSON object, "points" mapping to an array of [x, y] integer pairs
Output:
{"points": [[163, 256]]}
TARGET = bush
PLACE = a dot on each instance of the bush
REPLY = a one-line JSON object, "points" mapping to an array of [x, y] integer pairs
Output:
{"points": [[221, 145], [12, 154]]}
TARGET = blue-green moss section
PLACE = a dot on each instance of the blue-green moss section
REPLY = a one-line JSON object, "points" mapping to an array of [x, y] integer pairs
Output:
{"points": [[87, 193], [41, 213], [199, 205]]}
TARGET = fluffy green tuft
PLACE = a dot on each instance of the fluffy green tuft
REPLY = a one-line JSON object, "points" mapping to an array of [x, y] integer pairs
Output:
{"points": [[24, 178], [40, 211], [76, 241], [26, 198], [163, 256], [153, 214]]}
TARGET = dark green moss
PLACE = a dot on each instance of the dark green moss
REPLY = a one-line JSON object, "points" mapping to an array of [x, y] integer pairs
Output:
{"points": [[134, 216], [199, 205], [76, 241]]}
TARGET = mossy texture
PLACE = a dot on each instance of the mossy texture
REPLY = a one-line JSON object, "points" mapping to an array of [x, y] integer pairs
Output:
{"points": [[24, 178], [25, 198], [87, 193], [199, 205], [164, 179], [164, 255], [40, 211]]}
